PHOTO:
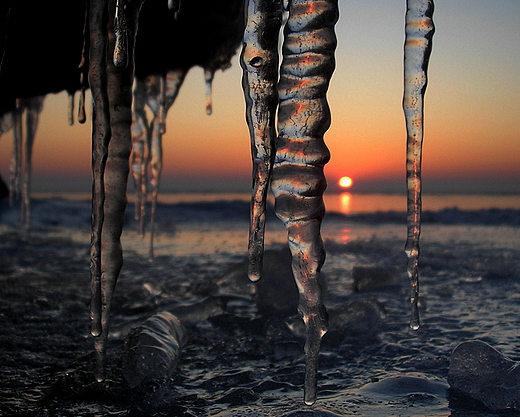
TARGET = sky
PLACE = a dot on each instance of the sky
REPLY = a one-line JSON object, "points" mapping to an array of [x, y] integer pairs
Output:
{"points": [[472, 111]]}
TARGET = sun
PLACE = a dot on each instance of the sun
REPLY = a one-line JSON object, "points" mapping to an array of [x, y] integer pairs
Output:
{"points": [[345, 182]]}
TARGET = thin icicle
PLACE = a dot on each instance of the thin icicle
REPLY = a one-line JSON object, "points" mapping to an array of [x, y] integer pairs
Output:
{"points": [[121, 32], [82, 116], [298, 181], [169, 89], [158, 93], [15, 181], [208, 78], [83, 71], [259, 61], [155, 100], [33, 107], [417, 49], [140, 151], [70, 112]]}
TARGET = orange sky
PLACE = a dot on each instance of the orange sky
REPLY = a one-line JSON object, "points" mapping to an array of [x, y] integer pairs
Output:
{"points": [[472, 114]]}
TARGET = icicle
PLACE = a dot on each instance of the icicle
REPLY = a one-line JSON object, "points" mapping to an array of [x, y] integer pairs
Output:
{"points": [[174, 80], [259, 61], [168, 90], [33, 108], [298, 180], [155, 100], [140, 151], [70, 113], [82, 116], [208, 78], [417, 49], [101, 133], [158, 93], [16, 160], [111, 89], [121, 32]]}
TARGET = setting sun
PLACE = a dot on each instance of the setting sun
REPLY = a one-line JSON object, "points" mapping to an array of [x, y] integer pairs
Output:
{"points": [[345, 182]]}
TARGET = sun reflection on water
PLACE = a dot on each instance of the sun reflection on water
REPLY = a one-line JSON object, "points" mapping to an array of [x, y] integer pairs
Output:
{"points": [[345, 202]]}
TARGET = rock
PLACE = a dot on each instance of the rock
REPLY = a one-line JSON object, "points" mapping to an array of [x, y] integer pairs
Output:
{"points": [[369, 278], [311, 413], [481, 373], [276, 294], [203, 310], [360, 318], [410, 386], [152, 350]]}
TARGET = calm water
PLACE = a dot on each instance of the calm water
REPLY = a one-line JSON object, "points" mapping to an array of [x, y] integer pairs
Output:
{"points": [[347, 202], [241, 363]]}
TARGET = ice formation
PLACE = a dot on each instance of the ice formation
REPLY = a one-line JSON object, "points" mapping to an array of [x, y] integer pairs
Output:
{"points": [[259, 60], [158, 93], [21, 162], [111, 90], [152, 350], [291, 160], [417, 48], [208, 78], [121, 34], [297, 178], [70, 113]]}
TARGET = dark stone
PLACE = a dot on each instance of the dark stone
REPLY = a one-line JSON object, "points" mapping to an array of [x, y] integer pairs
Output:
{"points": [[275, 294], [481, 373], [369, 278]]}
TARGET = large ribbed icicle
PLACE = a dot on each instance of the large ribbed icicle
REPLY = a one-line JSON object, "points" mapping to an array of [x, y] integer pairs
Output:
{"points": [[111, 90], [259, 61], [298, 181], [417, 49]]}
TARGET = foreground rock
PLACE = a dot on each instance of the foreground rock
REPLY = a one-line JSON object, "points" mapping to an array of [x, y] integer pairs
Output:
{"points": [[360, 319], [276, 294], [485, 375], [152, 350]]}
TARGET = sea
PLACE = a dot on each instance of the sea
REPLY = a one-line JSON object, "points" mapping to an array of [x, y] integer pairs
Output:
{"points": [[242, 361]]}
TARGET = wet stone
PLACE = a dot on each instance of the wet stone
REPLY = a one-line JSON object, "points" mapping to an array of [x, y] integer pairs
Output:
{"points": [[369, 278], [479, 372]]}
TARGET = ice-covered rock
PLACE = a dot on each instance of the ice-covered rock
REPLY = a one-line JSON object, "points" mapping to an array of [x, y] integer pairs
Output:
{"points": [[483, 374], [152, 349]]}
